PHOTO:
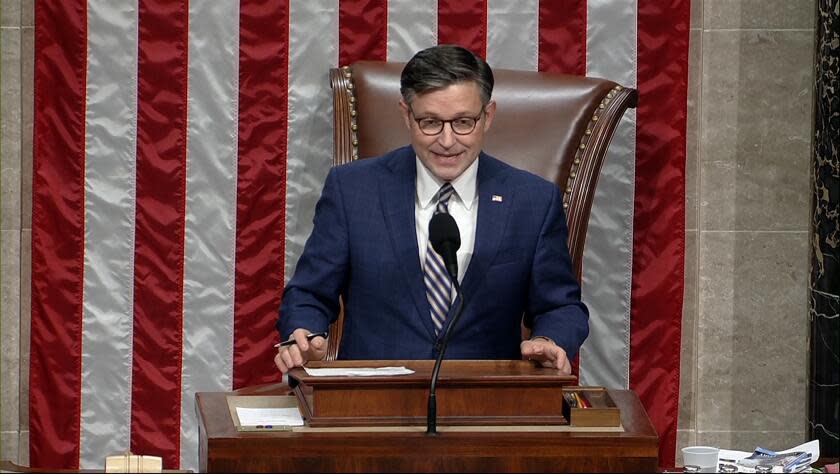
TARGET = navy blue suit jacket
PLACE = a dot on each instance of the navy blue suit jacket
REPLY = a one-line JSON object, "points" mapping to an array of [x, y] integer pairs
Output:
{"points": [[364, 247]]}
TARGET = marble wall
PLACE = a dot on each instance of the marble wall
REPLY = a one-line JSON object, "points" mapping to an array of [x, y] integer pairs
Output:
{"points": [[825, 235], [747, 219], [17, 44], [745, 322]]}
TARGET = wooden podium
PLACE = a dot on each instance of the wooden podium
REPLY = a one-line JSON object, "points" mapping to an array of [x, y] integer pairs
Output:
{"points": [[494, 416], [502, 392]]}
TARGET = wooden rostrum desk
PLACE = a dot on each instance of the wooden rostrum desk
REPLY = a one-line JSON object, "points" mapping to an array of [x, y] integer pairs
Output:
{"points": [[493, 416]]}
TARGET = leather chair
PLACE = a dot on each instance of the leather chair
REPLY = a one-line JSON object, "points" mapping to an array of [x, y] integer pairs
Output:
{"points": [[555, 126]]}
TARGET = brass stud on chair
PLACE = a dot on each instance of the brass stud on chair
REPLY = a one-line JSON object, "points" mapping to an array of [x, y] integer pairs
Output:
{"points": [[351, 101], [588, 133]]}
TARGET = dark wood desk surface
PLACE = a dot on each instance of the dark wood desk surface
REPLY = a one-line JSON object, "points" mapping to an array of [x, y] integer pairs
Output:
{"points": [[224, 449]]}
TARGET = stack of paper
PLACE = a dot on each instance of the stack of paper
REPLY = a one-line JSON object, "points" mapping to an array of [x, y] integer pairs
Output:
{"points": [[269, 417], [796, 459], [358, 371]]}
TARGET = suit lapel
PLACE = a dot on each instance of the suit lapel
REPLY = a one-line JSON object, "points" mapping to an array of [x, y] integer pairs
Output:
{"points": [[397, 198], [494, 204]]}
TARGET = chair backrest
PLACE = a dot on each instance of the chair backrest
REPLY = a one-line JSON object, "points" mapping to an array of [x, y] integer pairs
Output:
{"points": [[553, 125]]}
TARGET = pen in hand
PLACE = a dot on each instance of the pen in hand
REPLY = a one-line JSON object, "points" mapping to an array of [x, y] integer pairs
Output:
{"points": [[309, 337]]}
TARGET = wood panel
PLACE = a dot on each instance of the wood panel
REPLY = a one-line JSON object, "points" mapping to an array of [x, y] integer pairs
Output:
{"points": [[470, 392], [514, 449]]}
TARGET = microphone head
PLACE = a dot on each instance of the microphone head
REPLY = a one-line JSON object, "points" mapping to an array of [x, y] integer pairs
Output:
{"points": [[443, 231]]}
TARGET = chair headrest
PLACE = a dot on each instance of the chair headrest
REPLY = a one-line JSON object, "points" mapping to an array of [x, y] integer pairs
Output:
{"points": [[539, 119]]}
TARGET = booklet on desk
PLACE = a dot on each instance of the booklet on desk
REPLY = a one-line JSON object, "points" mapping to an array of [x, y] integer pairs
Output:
{"points": [[788, 462], [796, 459]]}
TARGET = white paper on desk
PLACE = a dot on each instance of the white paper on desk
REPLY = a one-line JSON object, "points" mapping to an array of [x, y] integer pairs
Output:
{"points": [[357, 371], [269, 416], [812, 447]]}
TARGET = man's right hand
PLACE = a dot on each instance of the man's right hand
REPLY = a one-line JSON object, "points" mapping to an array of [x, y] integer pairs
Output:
{"points": [[301, 352]]}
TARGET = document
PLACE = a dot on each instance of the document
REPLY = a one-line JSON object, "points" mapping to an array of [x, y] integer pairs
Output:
{"points": [[358, 371], [269, 417], [806, 454]]}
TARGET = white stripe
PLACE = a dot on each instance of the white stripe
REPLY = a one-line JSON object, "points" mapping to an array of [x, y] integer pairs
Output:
{"points": [[435, 290], [313, 50], [110, 157], [412, 26], [608, 256], [512, 34], [210, 232]]}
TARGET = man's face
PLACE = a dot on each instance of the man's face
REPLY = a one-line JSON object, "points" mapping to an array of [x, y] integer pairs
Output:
{"points": [[447, 154]]}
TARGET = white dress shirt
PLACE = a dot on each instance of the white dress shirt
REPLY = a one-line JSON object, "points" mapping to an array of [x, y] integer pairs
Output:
{"points": [[463, 207]]}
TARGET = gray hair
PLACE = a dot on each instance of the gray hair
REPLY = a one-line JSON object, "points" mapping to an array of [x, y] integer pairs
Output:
{"points": [[441, 66]]}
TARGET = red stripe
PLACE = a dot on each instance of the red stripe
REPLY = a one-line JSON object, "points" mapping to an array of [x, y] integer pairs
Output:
{"points": [[463, 22], [58, 227], [159, 238], [261, 189], [362, 30], [659, 231], [562, 36]]}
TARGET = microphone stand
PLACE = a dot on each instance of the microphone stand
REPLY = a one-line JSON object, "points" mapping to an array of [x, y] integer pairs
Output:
{"points": [[431, 416]]}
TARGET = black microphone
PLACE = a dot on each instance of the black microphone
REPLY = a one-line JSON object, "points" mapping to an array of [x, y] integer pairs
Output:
{"points": [[445, 239]]}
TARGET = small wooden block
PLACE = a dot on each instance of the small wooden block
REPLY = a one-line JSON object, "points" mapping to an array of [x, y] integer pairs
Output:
{"points": [[133, 463]]}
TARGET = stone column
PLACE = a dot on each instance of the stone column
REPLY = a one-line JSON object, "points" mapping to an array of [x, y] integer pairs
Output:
{"points": [[824, 387]]}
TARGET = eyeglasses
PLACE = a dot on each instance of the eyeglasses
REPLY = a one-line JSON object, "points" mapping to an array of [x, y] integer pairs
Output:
{"points": [[460, 126]]}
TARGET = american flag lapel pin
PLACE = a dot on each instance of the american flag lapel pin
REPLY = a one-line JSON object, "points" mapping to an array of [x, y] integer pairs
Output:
{"points": [[496, 198]]}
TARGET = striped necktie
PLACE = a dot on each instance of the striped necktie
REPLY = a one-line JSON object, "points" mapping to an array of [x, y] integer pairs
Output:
{"points": [[438, 285]]}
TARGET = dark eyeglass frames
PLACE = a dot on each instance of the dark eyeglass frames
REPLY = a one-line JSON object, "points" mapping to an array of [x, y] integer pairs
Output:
{"points": [[460, 126]]}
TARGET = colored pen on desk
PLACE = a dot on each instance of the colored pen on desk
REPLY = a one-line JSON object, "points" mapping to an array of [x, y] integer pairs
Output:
{"points": [[581, 402], [585, 399], [273, 427], [309, 337]]}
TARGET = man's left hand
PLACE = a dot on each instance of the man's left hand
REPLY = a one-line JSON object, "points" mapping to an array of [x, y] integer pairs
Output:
{"points": [[547, 353]]}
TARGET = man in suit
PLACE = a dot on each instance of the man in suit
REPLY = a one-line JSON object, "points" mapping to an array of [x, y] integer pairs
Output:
{"points": [[370, 240]]}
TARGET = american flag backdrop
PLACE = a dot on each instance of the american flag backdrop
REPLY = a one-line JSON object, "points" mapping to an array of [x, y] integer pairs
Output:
{"points": [[181, 145]]}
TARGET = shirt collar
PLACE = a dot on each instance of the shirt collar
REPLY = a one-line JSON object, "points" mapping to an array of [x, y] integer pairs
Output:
{"points": [[428, 185]]}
